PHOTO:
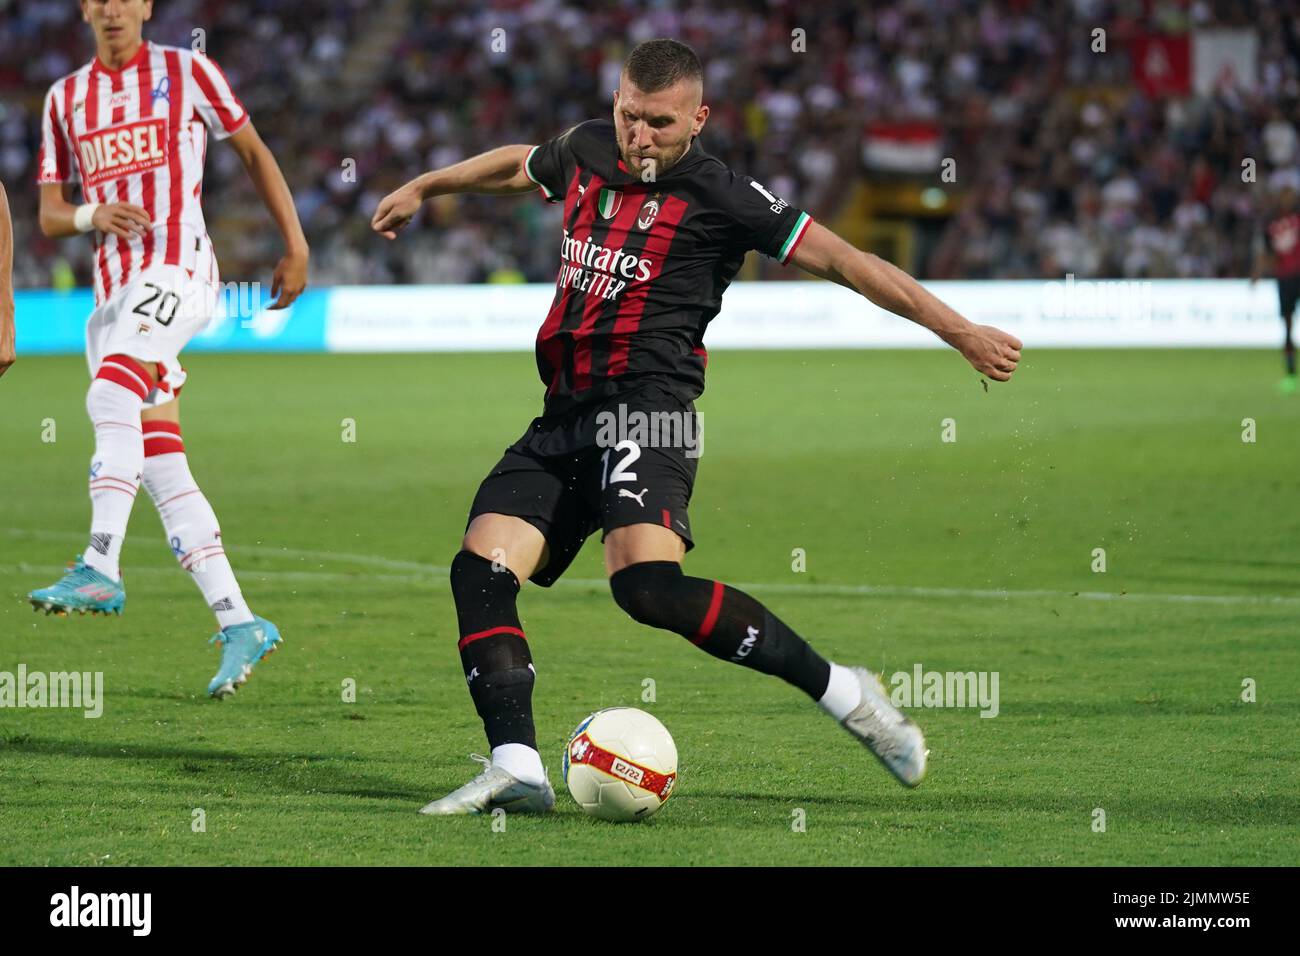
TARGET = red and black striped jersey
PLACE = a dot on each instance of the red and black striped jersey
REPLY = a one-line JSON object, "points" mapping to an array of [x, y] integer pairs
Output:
{"points": [[643, 265], [1284, 240]]}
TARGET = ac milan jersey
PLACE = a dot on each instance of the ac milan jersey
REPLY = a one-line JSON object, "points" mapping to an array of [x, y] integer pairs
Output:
{"points": [[1284, 238], [139, 135], [643, 265]]}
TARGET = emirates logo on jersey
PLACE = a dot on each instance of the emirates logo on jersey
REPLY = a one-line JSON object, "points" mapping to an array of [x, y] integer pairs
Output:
{"points": [[122, 150], [646, 217]]}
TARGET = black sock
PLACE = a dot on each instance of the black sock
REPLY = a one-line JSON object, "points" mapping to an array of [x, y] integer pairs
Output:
{"points": [[1288, 346], [724, 622], [493, 651]]}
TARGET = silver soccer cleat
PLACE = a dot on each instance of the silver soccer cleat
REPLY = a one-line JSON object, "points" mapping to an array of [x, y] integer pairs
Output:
{"points": [[884, 730], [493, 788]]}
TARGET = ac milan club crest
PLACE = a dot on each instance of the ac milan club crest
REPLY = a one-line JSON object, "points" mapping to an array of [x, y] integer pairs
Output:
{"points": [[646, 217]]}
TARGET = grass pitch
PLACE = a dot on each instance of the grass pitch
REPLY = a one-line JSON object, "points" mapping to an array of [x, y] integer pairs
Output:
{"points": [[1119, 691]]}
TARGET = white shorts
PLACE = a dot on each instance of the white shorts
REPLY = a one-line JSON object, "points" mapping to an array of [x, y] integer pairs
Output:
{"points": [[153, 317]]}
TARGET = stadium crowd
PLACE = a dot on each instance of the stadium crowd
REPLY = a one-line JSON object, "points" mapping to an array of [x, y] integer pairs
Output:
{"points": [[1065, 165]]}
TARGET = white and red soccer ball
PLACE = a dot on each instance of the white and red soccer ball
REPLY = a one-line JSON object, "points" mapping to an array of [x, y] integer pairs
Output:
{"points": [[620, 764]]}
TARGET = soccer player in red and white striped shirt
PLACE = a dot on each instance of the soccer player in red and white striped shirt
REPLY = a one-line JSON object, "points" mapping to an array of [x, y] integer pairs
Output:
{"points": [[131, 127]]}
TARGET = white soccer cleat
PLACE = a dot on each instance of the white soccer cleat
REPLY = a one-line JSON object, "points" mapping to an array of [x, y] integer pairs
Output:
{"points": [[889, 734], [491, 789]]}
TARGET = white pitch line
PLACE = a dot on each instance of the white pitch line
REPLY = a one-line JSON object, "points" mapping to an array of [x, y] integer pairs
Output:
{"points": [[254, 575], [258, 549], [420, 571]]}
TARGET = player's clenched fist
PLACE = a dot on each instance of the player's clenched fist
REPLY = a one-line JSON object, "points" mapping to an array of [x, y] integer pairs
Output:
{"points": [[289, 280], [991, 351], [122, 219], [395, 211], [7, 354]]}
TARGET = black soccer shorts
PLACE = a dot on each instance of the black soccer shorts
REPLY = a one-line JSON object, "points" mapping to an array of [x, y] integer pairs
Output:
{"points": [[628, 460]]}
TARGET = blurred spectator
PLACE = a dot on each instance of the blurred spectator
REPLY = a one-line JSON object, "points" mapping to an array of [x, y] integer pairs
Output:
{"points": [[1064, 166]]}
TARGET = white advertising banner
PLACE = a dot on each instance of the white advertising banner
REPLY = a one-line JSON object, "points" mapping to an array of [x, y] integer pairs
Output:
{"points": [[1161, 313]]}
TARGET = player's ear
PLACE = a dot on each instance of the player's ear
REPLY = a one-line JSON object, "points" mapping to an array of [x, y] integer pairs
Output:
{"points": [[701, 116], [148, 10]]}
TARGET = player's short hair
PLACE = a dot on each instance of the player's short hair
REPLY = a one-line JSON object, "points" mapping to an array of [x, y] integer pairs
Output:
{"points": [[657, 64]]}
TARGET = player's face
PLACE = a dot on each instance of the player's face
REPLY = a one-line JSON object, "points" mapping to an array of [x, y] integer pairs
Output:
{"points": [[655, 129], [118, 24]]}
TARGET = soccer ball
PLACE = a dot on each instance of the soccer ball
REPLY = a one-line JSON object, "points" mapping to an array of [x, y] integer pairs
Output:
{"points": [[620, 764]]}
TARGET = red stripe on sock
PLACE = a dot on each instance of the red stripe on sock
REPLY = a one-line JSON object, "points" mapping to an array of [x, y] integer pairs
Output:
{"points": [[168, 448], [471, 638], [111, 373], [133, 364], [170, 435], [174, 497], [110, 478], [200, 549], [190, 558], [710, 619]]}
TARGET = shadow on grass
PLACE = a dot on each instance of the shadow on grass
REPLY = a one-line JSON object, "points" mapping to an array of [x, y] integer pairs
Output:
{"points": [[285, 773]]}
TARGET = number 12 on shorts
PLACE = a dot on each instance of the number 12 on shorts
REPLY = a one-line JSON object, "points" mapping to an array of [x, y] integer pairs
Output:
{"points": [[620, 472]]}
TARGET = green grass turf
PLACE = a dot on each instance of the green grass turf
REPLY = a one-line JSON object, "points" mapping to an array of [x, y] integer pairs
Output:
{"points": [[1130, 704]]}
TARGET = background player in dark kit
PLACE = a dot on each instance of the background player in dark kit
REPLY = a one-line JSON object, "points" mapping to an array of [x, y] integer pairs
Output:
{"points": [[1279, 245], [654, 231]]}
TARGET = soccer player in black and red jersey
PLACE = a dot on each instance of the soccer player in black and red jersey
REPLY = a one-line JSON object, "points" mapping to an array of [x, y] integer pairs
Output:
{"points": [[1282, 235], [654, 231]]}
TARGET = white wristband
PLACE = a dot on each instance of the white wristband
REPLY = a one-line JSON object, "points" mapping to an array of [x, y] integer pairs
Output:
{"points": [[81, 218]]}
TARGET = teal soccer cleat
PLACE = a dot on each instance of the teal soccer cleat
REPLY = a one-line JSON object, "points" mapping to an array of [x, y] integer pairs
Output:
{"points": [[242, 646], [82, 589]]}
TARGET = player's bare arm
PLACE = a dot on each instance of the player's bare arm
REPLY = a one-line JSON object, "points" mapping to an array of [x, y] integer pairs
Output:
{"points": [[291, 271], [499, 171], [6, 284], [824, 254], [58, 214]]}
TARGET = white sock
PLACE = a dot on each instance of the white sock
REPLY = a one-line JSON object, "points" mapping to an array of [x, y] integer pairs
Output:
{"points": [[191, 524], [520, 761], [114, 470], [843, 693]]}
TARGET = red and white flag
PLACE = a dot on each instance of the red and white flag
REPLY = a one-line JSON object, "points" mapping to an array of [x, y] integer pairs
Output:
{"points": [[904, 147], [1162, 65], [1202, 61]]}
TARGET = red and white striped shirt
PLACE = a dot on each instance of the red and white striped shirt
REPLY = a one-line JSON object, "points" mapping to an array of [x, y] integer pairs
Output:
{"points": [[139, 135]]}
